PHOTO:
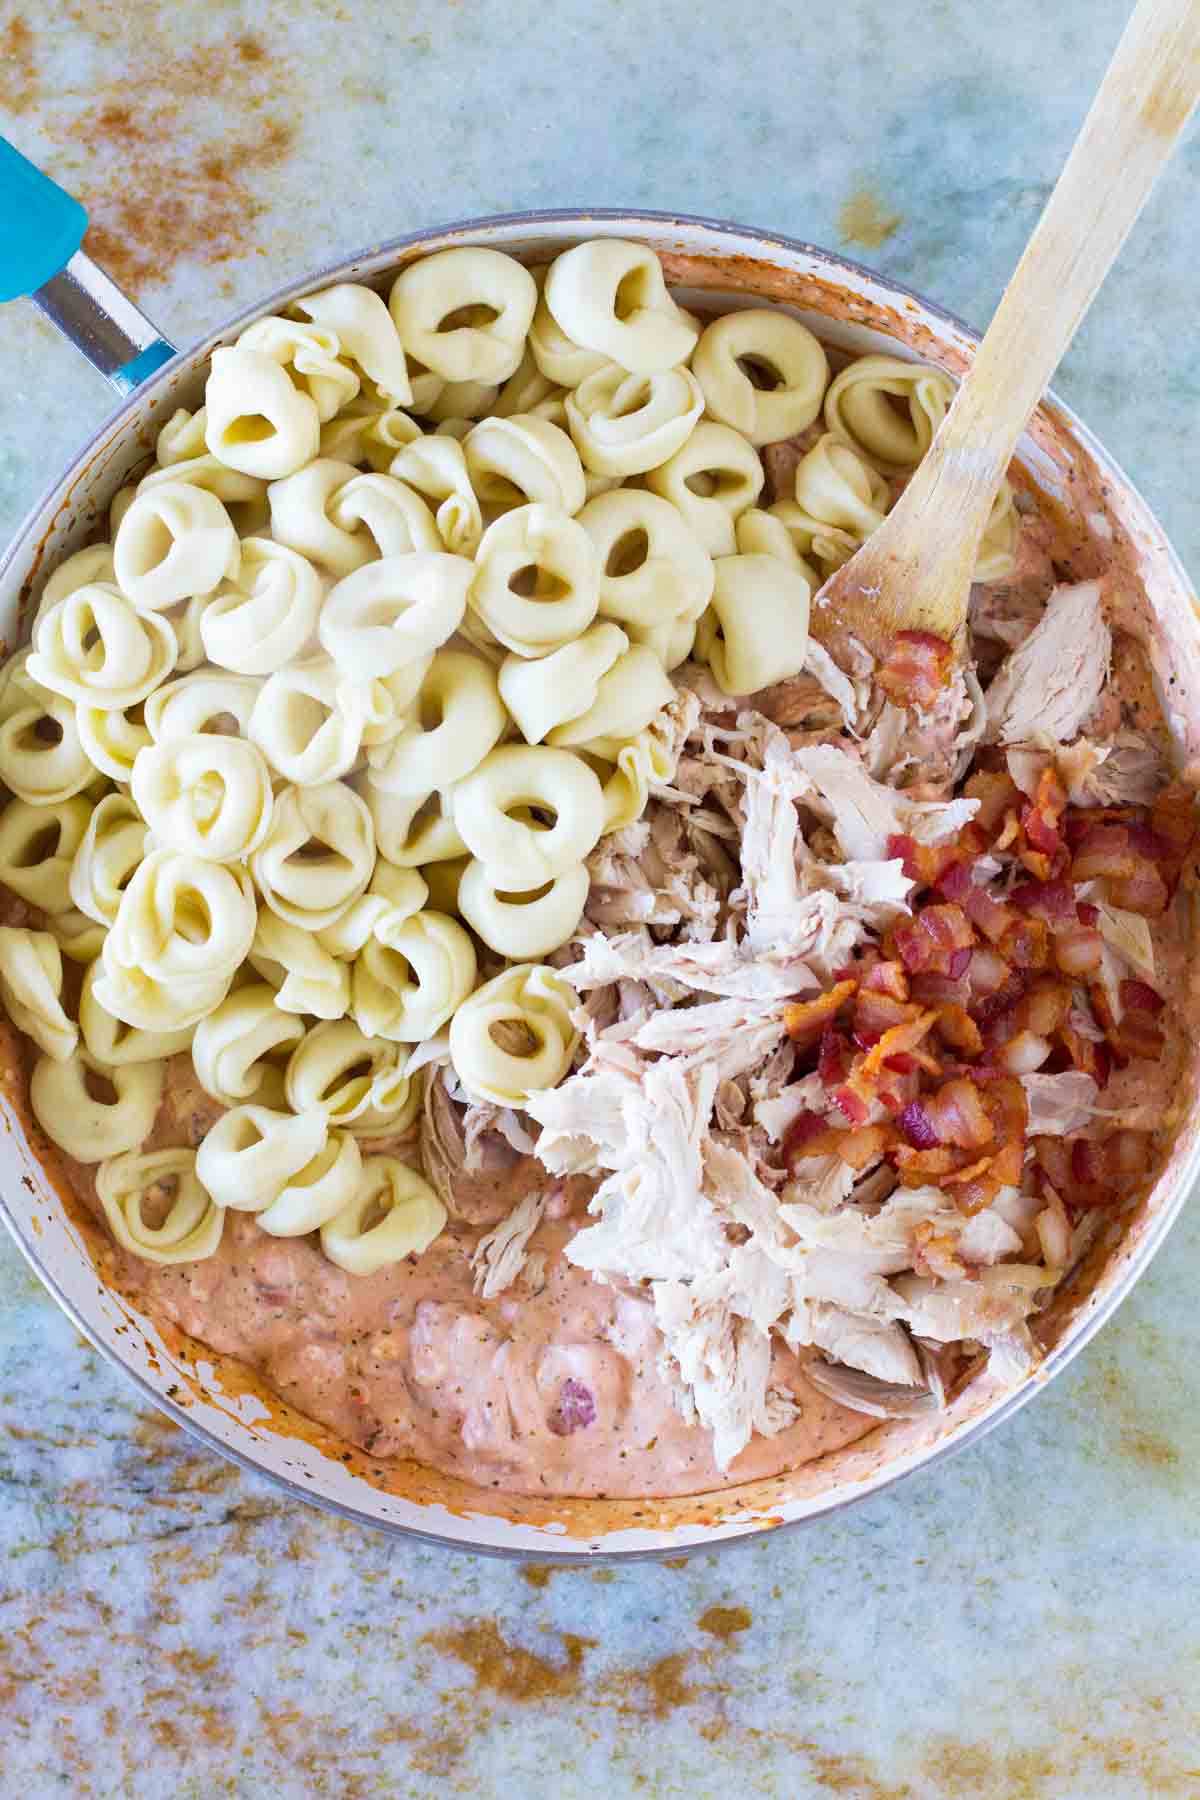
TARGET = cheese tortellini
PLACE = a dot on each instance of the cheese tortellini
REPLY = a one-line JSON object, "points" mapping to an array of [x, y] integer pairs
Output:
{"points": [[380, 650], [94, 648], [42, 754], [610, 296], [392, 1213], [554, 559], [165, 1182], [318, 855], [501, 808], [393, 611], [756, 631], [514, 1035], [457, 717], [176, 540], [205, 795], [465, 313], [266, 614], [624, 424], [31, 979], [866, 404], [70, 1101], [762, 372]]}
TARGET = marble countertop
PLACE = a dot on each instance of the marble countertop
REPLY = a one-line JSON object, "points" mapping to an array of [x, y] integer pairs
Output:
{"points": [[1020, 1623]]}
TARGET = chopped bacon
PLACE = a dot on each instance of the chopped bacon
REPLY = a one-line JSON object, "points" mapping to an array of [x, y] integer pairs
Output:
{"points": [[1141, 997], [958, 1115], [833, 1063], [1026, 945], [931, 989], [805, 1020], [959, 1030], [918, 1127], [923, 863], [1045, 1006], [1049, 900], [1078, 949], [876, 1013], [998, 795], [977, 989], [992, 917], [886, 978], [916, 668]]}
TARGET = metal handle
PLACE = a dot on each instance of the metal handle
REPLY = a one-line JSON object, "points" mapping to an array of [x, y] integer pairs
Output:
{"points": [[40, 257]]}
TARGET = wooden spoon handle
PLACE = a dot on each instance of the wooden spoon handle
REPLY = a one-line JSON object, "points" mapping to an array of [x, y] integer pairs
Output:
{"points": [[1142, 106]]}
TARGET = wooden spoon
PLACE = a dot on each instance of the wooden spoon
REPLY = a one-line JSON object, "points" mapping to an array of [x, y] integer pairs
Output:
{"points": [[914, 572]]}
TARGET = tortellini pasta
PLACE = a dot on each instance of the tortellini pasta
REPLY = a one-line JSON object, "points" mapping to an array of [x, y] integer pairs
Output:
{"points": [[205, 795], [339, 1073], [518, 460], [113, 1043], [521, 852], [318, 855], [457, 718], [89, 1127], [788, 361], [393, 611], [653, 569], [756, 632], [867, 401], [234, 1043], [208, 700], [189, 1228], [37, 848], [711, 482], [257, 420], [251, 1154], [407, 983], [176, 540], [465, 313], [31, 979], [43, 758], [111, 848], [627, 697], [182, 929], [523, 926], [308, 722], [543, 694], [437, 467], [555, 561], [112, 737], [266, 615], [95, 649], [310, 354], [624, 424], [405, 1213], [366, 335], [95, 564], [413, 829], [610, 296], [514, 1035], [306, 977]]}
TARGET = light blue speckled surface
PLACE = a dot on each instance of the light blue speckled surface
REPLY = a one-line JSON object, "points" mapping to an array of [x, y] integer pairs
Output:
{"points": [[1019, 1625]]}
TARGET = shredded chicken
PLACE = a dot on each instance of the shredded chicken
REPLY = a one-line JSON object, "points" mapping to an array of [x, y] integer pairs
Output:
{"points": [[1051, 682]]}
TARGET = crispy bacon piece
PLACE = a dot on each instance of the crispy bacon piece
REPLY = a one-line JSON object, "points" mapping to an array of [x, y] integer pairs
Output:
{"points": [[876, 1013], [1026, 944], [998, 796], [1078, 950], [886, 978], [958, 1115], [923, 863], [916, 669], [805, 1020], [956, 1026], [833, 1063], [992, 917]]}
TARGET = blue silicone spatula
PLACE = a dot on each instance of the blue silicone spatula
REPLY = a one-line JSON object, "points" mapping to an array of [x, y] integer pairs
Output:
{"points": [[40, 257]]}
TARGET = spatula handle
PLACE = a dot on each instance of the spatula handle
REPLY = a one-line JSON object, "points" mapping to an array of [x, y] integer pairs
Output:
{"points": [[40, 256], [1136, 119]]}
